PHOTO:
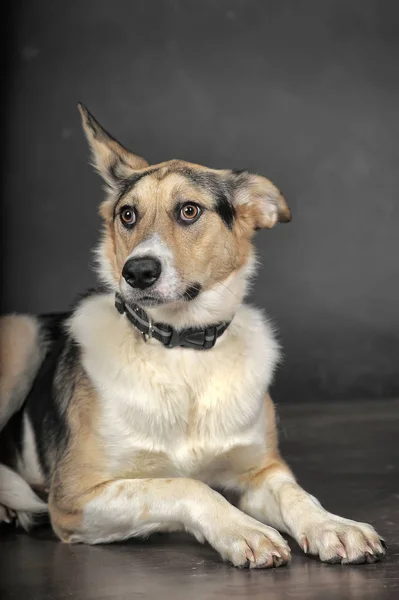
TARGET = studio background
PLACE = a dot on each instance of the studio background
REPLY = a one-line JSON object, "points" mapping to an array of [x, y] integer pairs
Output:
{"points": [[305, 93]]}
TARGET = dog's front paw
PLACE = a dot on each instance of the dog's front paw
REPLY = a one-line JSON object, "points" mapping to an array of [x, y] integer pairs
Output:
{"points": [[244, 542], [338, 540]]}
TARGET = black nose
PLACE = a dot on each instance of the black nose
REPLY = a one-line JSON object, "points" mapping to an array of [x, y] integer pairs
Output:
{"points": [[141, 272]]}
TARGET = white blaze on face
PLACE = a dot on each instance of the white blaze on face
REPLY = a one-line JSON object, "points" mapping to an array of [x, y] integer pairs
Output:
{"points": [[169, 284]]}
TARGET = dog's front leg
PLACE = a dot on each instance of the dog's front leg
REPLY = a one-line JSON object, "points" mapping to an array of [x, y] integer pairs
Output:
{"points": [[274, 497], [124, 508]]}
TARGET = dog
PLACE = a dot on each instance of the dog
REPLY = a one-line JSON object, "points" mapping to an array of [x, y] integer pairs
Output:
{"points": [[125, 416]]}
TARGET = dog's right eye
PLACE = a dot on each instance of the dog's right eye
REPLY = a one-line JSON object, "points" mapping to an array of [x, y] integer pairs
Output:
{"points": [[128, 216], [189, 213]]}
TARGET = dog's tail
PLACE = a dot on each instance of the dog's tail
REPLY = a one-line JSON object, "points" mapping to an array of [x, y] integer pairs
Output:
{"points": [[22, 350], [18, 500]]}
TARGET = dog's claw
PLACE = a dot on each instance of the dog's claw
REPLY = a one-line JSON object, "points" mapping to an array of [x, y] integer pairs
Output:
{"points": [[305, 544]]}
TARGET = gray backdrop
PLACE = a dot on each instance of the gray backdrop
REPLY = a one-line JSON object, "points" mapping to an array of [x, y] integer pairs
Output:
{"points": [[306, 93]]}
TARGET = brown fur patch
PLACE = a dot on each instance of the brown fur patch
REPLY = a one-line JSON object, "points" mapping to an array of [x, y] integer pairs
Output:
{"points": [[271, 424], [20, 355], [272, 463], [80, 473]]}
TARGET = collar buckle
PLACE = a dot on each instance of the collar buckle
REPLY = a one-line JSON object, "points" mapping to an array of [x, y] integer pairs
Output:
{"points": [[147, 336], [201, 339], [175, 339]]}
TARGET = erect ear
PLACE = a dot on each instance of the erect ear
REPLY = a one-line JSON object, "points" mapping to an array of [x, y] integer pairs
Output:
{"points": [[112, 161], [266, 203]]}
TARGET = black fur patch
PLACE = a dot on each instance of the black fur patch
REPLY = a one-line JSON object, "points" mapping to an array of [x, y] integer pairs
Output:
{"points": [[113, 171], [200, 178], [192, 291], [225, 209], [51, 391], [240, 178], [221, 189], [48, 399]]}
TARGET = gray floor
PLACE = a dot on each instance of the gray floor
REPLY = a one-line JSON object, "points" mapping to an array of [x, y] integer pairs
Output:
{"points": [[345, 454]]}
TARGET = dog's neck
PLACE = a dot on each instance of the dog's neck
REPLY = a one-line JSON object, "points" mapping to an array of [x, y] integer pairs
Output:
{"points": [[212, 306]]}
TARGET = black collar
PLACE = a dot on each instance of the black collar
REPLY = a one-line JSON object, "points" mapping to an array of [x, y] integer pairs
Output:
{"points": [[199, 339]]}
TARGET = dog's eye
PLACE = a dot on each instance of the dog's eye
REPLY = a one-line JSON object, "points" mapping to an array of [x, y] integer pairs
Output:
{"points": [[128, 216], [190, 213]]}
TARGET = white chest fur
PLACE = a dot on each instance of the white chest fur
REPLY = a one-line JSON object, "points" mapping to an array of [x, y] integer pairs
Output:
{"points": [[180, 411]]}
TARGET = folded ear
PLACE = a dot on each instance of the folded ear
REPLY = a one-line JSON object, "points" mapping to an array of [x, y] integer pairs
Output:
{"points": [[267, 205], [112, 161]]}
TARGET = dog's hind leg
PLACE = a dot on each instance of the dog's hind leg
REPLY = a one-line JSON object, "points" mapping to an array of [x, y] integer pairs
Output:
{"points": [[21, 353]]}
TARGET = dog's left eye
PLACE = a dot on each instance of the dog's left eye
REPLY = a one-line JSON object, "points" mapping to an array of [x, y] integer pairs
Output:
{"points": [[128, 216], [190, 212]]}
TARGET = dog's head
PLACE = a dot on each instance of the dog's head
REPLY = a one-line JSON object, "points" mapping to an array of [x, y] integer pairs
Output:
{"points": [[178, 235]]}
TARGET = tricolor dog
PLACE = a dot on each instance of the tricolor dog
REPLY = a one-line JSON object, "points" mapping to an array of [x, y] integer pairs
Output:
{"points": [[134, 408]]}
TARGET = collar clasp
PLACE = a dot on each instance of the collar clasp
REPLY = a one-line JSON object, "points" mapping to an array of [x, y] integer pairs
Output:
{"points": [[147, 337]]}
